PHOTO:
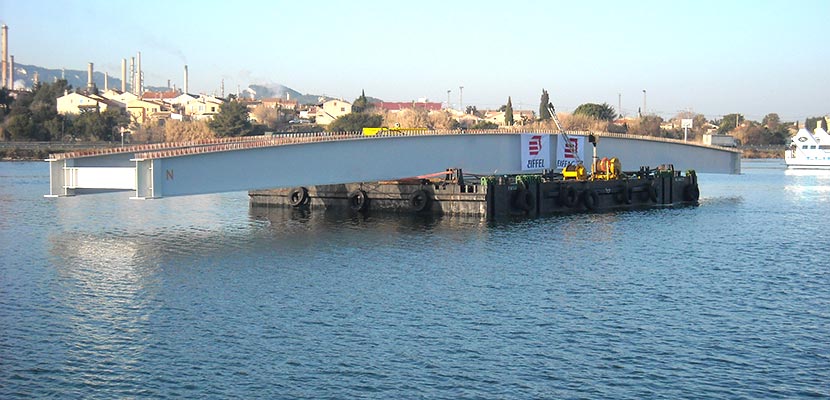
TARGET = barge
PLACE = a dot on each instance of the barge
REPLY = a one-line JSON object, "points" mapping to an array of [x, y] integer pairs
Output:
{"points": [[453, 192], [571, 189]]}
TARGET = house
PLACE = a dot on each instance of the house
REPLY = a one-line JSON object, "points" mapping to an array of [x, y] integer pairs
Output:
{"points": [[181, 100], [144, 111], [670, 125], [711, 128], [520, 117], [280, 103], [307, 114], [121, 97], [76, 103], [203, 108], [330, 110], [399, 106], [164, 97]]}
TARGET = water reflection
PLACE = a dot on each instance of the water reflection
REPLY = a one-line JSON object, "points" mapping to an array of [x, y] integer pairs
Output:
{"points": [[286, 220], [808, 184]]}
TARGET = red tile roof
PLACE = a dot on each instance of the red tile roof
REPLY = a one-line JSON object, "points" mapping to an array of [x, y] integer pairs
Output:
{"points": [[172, 94]]}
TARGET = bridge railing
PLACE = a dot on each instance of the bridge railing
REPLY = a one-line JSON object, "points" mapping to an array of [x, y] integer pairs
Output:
{"points": [[172, 149]]}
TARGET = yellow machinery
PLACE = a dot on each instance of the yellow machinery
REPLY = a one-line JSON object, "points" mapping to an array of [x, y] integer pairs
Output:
{"points": [[393, 130], [606, 169], [574, 171]]}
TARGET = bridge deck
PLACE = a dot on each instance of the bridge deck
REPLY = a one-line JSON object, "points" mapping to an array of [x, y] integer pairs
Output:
{"points": [[261, 162]]}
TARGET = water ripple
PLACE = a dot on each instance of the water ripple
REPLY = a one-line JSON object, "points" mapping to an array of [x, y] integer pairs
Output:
{"points": [[204, 297]]}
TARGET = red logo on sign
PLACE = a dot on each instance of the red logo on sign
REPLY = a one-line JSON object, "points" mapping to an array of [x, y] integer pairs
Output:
{"points": [[534, 146], [572, 150]]}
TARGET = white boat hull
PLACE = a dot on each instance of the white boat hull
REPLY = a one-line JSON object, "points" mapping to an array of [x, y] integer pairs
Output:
{"points": [[809, 150]]}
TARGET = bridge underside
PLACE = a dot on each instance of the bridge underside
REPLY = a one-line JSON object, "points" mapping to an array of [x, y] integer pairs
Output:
{"points": [[317, 159]]}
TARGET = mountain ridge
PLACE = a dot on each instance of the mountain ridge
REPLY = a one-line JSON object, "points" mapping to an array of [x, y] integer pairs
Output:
{"points": [[24, 76]]}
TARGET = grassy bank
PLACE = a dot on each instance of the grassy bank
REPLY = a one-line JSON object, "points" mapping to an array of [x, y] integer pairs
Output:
{"points": [[37, 151], [17, 154], [753, 153]]}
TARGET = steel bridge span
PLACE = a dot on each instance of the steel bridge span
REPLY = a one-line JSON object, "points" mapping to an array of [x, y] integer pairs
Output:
{"points": [[265, 162]]}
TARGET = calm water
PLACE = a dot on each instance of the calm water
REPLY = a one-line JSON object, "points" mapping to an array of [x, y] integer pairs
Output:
{"points": [[201, 297]]}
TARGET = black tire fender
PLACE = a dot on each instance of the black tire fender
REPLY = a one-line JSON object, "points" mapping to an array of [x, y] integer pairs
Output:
{"points": [[358, 200], [298, 196], [569, 196], [420, 200], [524, 200], [590, 199]]}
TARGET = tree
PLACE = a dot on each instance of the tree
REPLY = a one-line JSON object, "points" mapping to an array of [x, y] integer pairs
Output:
{"points": [[729, 123], [355, 122], [442, 120], [484, 125], [508, 112], [266, 116], [361, 104], [699, 123], [544, 113], [815, 122], [232, 120], [648, 125], [408, 118], [88, 125], [771, 121], [179, 131], [5, 102], [20, 127], [602, 112], [472, 110]]}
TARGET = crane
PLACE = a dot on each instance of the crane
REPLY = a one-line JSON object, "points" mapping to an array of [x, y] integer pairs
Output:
{"points": [[573, 170]]}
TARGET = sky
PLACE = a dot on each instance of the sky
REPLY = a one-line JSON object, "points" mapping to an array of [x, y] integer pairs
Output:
{"points": [[709, 57]]}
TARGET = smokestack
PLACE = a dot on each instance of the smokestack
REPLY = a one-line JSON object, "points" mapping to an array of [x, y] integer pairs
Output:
{"points": [[11, 72], [89, 83], [106, 81], [132, 75], [123, 75], [35, 79], [139, 81], [5, 55], [185, 80], [168, 84]]}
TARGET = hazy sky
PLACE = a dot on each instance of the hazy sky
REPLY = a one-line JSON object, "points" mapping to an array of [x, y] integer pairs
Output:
{"points": [[713, 57]]}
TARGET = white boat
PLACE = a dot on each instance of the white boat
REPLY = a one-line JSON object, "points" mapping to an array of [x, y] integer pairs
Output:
{"points": [[809, 150]]}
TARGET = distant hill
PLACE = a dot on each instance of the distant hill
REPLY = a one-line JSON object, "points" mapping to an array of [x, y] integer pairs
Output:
{"points": [[24, 75], [282, 91]]}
